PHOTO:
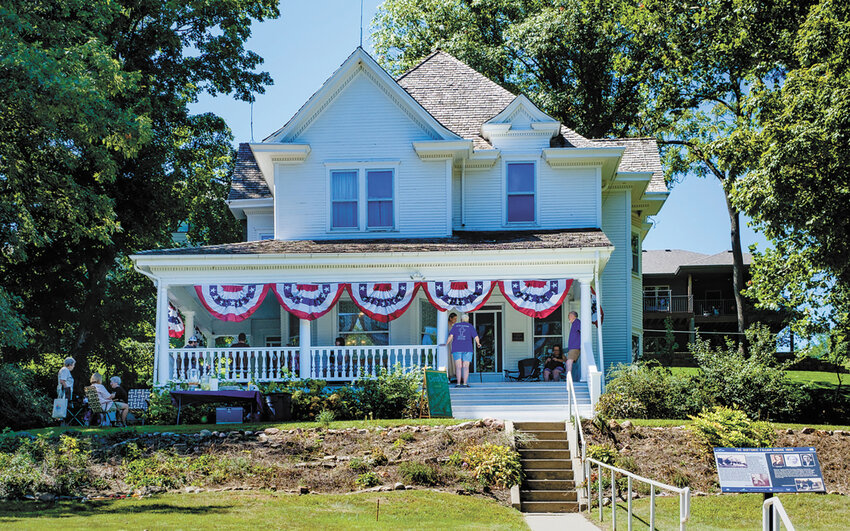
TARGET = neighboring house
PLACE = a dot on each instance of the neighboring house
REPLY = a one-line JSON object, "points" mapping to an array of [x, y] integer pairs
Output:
{"points": [[419, 194], [695, 291]]}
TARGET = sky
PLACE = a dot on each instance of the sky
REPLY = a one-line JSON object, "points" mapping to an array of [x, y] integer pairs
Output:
{"points": [[312, 39]]}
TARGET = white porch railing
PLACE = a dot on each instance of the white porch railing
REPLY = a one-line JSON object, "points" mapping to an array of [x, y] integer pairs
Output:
{"points": [[272, 364]]}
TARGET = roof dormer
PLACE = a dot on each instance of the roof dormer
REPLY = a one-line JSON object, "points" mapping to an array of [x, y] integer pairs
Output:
{"points": [[521, 118]]}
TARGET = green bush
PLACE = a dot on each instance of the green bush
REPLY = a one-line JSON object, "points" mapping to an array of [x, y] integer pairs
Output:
{"points": [[618, 405], [393, 394], [23, 405], [491, 464], [378, 457], [360, 465], [56, 466], [730, 428], [419, 473], [367, 480], [604, 453], [648, 390], [325, 417], [167, 469]]}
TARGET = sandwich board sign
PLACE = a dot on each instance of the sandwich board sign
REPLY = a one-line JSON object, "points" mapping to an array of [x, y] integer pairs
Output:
{"points": [[774, 470]]}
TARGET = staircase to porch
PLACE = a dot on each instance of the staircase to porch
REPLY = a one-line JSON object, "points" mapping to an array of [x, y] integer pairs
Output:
{"points": [[517, 401], [549, 485]]}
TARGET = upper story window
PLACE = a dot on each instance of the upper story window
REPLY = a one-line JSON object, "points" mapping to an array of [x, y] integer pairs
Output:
{"points": [[521, 191], [635, 254], [344, 200], [362, 198]]}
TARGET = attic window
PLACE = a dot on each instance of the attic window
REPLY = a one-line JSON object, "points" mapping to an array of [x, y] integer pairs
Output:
{"points": [[520, 192]]}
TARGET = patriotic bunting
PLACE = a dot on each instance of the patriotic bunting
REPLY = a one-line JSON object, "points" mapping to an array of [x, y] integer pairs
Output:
{"points": [[307, 301], [535, 298], [383, 301], [232, 302], [461, 296], [595, 319], [175, 323]]}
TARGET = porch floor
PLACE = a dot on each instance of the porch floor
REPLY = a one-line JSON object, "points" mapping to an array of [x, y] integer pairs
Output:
{"points": [[517, 401]]}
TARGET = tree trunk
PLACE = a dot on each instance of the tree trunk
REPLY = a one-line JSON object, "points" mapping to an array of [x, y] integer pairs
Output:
{"points": [[737, 270]]}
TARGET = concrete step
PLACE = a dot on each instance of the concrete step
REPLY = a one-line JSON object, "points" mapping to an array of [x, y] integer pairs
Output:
{"points": [[547, 444], [548, 495], [548, 473], [548, 484], [549, 507], [539, 426], [550, 435], [539, 464], [547, 454]]}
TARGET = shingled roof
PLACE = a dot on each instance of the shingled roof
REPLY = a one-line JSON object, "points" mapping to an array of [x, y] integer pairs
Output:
{"points": [[641, 155], [461, 241], [247, 182], [670, 261]]}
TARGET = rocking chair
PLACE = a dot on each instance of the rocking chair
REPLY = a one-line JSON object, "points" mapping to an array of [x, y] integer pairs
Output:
{"points": [[527, 370]]}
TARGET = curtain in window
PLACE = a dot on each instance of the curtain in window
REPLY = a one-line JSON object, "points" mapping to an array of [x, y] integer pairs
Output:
{"points": [[379, 192], [344, 199], [520, 192]]}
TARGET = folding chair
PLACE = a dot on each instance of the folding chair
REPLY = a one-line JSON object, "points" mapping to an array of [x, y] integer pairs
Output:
{"points": [[527, 370], [76, 413], [137, 399], [97, 408]]}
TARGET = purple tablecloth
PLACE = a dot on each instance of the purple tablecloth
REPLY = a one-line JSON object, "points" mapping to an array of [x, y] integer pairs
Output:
{"points": [[190, 397]]}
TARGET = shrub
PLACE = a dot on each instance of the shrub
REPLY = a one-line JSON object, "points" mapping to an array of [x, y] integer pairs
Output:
{"points": [[418, 473], [378, 457], [43, 465], [367, 480], [494, 465], [393, 394], [407, 436], [604, 453], [730, 428], [620, 406], [647, 390], [359, 465], [23, 406], [325, 418]]}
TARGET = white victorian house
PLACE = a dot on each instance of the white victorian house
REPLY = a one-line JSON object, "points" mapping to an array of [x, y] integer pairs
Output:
{"points": [[383, 203]]}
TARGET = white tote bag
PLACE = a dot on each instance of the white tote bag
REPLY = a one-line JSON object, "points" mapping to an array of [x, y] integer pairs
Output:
{"points": [[60, 408]]}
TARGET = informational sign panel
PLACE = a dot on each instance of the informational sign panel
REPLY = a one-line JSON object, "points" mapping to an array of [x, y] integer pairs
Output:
{"points": [[769, 470], [438, 399]]}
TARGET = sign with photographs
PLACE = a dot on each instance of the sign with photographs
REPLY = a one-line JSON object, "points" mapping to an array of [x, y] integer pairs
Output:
{"points": [[769, 470]]}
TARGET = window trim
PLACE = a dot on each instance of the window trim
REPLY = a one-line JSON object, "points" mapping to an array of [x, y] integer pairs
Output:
{"points": [[505, 194], [339, 333], [636, 253], [361, 168]]}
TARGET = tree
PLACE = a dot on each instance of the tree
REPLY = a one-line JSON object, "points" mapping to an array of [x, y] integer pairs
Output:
{"points": [[573, 58], [99, 156], [799, 190], [715, 57]]}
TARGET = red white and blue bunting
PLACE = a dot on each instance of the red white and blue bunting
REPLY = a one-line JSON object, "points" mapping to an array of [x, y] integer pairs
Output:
{"points": [[595, 319], [230, 302], [307, 301], [383, 301], [463, 296], [535, 298], [175, 323]]}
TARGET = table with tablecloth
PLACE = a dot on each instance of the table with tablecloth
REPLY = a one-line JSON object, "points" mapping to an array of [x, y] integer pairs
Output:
{"points": [[252, 398]]}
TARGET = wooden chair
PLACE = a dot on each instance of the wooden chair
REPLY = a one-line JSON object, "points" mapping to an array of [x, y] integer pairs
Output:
{"points": [[138, 399], [97, 408]]}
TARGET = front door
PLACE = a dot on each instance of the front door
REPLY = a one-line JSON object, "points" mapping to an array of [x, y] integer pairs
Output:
{"points": [[488, 323]]}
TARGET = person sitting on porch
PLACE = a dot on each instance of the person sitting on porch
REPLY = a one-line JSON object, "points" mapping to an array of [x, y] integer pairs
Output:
{"points": [[554, 365], [574, 342], [461, 336], [119, 397]]}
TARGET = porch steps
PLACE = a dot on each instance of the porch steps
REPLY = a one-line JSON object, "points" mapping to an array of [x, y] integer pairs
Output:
{"points": [[549, 485], [517, 401]]}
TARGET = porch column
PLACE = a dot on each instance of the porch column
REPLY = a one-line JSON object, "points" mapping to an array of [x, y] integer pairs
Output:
{"points": [[442, 336], [161, 348], [599, 326], [586, 341], [304, 337], [188, 326]]}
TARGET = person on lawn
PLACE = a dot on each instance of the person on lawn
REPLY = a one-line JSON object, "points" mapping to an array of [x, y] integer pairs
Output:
{"points": [[461, 337]]}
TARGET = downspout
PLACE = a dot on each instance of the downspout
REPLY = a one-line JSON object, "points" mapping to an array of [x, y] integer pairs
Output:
{"points": [[599, 321]]}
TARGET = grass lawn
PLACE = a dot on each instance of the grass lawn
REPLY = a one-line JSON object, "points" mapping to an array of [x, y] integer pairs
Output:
{"points": [[416, 509], [734, 512], [195, 428], [666, 423]]}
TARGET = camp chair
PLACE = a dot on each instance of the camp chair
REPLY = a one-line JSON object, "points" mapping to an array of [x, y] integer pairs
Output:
{"points": [[137, 399], [527, 370], [97, 408]]}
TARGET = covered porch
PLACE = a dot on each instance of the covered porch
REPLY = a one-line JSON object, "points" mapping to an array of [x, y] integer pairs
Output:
{"points": [[287, 341]]}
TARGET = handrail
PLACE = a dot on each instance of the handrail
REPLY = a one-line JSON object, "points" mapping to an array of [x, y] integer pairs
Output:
{"points": [[575, 418], [684, 494], [774, 505]]}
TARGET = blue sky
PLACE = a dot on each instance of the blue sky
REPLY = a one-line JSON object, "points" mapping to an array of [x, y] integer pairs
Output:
{"points": [[311, 39]]}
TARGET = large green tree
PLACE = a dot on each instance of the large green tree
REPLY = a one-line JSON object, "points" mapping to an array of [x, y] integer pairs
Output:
{"points": [[100, 157]]}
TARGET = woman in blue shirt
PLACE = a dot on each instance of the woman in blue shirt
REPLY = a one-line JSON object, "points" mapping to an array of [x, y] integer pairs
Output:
{"points": [[461, 337]]}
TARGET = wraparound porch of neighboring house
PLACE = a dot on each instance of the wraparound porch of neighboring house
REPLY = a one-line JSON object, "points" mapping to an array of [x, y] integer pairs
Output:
{"points": [[285, 345]]}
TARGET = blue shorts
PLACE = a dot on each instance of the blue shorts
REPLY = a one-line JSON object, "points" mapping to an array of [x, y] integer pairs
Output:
{"points": [[462, 356]]}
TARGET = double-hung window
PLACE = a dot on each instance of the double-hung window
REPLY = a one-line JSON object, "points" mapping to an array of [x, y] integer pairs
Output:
{"points": [[362, 199], [379, 199], [344, 200], [521, 192]]}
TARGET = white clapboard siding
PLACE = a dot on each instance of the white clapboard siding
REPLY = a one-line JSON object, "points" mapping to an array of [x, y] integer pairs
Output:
{"points": [[616, 279], [361, 124], [259, 224]]}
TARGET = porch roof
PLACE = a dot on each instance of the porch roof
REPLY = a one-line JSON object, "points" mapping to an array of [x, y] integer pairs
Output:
{"points": [[462, 241]]}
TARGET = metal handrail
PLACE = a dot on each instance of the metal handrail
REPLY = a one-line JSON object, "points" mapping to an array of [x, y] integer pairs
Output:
{"points": [[575, 418], [684, 494], [773, 505]]}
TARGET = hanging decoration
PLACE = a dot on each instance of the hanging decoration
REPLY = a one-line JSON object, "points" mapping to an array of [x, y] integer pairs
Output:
{"points": [[535, 298], [463, 296], [594, 318], [232, 302], [383, 301], [175, 323], [307, 301]]}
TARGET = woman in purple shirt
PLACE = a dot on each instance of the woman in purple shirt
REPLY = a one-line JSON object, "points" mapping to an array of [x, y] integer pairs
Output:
{"points": [[460, 337], [573, 342]]}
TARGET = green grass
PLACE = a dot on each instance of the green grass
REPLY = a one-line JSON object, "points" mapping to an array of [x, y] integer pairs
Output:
{"points": [[194, 428], [268, 510], [819, 379], [666, 423], [734, 512]]}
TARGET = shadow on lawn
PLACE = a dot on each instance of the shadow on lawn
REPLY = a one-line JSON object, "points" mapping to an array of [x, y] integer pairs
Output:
{"points": [[10, 512]]}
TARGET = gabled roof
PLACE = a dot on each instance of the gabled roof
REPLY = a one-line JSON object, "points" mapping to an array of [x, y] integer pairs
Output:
{"points": [[673, 261], [641, 155], [248, 182]]}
